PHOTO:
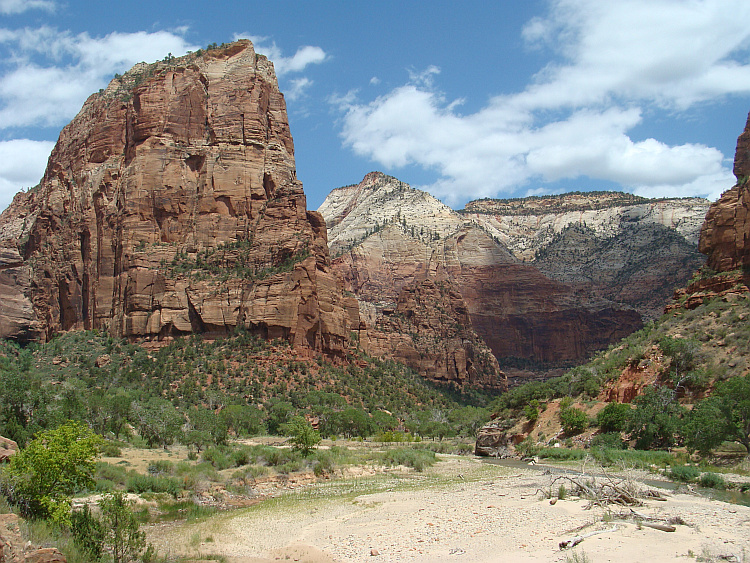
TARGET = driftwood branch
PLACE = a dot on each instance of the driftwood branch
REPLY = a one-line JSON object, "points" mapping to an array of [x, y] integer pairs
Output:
{"points": [[575, 540], [606, 490], [657, 526]]}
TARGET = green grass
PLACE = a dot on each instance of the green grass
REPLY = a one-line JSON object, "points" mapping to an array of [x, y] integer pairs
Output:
{"points": [[409, 457]]}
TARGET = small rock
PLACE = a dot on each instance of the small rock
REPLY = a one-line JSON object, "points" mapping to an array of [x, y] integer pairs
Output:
{"points": [[374, 552], [552, 500], [103, 360]]}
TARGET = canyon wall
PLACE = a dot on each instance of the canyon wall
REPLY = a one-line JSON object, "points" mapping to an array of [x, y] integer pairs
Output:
{"points": [[725, 236], [540, 286], [170, 205]]}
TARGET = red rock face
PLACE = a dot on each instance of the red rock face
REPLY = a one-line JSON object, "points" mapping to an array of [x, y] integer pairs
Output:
{"points": [[171, 205], [523, 315], [430, 331], [725, 236], [506, 306]]}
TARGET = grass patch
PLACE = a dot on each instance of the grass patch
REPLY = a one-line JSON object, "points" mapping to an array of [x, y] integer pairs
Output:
{"points": [[409, 457]]}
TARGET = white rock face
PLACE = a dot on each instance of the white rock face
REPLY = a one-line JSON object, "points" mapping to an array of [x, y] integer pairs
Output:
{"points": [[354, 212], [525, 234]]}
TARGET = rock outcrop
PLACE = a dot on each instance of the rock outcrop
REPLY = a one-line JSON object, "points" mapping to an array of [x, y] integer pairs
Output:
{"points": [[8, 448], [725, 236], [386, 237], [170, 205], [14, 550], [725, 240], [430, 330], [616, 246]]}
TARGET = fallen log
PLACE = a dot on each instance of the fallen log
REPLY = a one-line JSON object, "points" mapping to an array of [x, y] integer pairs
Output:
{"points": [[657, 526], [575, 540]]}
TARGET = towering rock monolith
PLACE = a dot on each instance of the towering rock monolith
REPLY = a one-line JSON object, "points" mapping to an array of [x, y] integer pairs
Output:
{"points": [[170, 205], [725, 236]]}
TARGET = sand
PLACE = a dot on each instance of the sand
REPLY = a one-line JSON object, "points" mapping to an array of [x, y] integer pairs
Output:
{"points": [[461, 510]]}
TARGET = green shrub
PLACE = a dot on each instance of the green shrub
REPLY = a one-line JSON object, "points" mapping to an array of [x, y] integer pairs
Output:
{"points": [[110, 449], [392, 436], [611, 440], [217, 456], [531, 412], [291, 466], [712, 481], [656, 420], [138, 483], [574, 421], [613, 417], [104, 485], [88, 532], [240, 457], [42, 477], [684, 473], [161, 467], [121, 528], [303, 436], [108, 472], [416, 459], [562, 454]]}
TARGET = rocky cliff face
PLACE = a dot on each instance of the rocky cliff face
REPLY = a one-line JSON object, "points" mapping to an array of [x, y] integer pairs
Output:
{"points": [[725, 236], [170, 205], [615, 246], [388, 236]]}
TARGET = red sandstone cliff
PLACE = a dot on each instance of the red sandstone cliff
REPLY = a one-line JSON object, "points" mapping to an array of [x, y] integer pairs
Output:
{"points": [[390, 238], [725, 236], [170, 205]]}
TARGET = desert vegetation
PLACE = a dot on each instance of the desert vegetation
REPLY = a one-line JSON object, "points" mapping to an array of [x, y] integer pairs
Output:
{"points": [[693, 406]]}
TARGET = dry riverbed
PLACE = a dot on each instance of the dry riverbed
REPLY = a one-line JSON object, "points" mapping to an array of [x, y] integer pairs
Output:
{"points": [[459, 510]]}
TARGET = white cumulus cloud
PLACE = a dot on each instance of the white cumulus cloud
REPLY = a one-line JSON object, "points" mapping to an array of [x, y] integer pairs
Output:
{"points": [[612, 64], [52, 72], [22, 164], [299, 61], [9, 7]]}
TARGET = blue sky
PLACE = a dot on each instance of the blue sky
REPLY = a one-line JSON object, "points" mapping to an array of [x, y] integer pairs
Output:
{"points": [[463, 99]]}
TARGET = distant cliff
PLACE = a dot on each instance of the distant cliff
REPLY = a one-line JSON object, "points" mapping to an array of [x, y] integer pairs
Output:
{"points": [[391, 242], [170, 205], [543, 284], [627, 249]]}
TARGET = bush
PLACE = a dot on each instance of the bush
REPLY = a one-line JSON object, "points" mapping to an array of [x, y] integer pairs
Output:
{"points": [[561, 454], [138, 483], [304, 437], [416, 459], [240, 457], [531, 412], [574, 421], [108, 472], [42, 477], [122, 531], [607, 440], [110, 449], [712, 481], [613, 417], [657, 419], [684, 473], [88, 532], [161, 467], [217, 456]]}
